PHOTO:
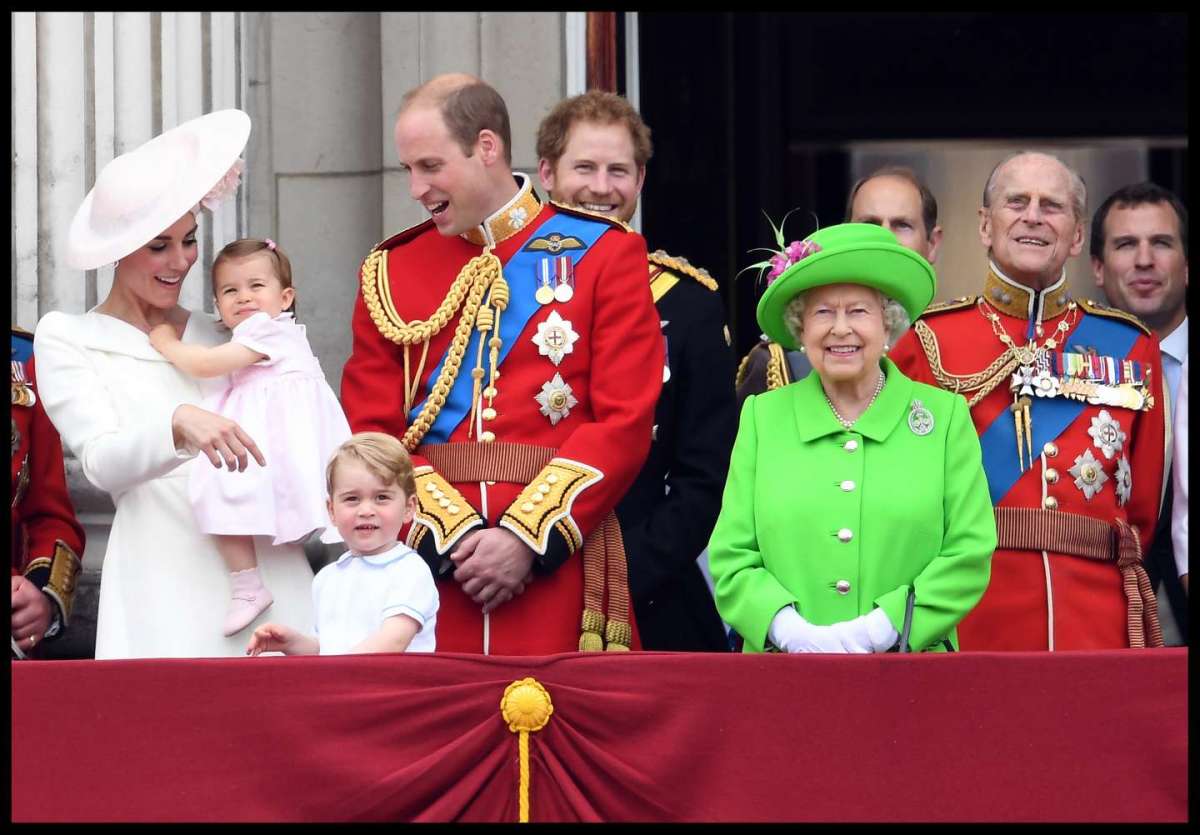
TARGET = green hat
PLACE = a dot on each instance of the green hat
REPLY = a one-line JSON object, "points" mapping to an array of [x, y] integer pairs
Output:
{"points": [[849, 253]]}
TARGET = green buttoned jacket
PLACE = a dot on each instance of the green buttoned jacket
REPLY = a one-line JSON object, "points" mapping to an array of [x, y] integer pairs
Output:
{"points": [[839, 521]]}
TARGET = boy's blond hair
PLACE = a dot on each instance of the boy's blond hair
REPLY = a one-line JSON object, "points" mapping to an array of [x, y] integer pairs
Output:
{"points": [[380, 453]]}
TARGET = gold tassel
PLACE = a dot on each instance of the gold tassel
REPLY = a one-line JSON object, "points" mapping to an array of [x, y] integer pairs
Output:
{"points": [[590, 639], [618, 636]]}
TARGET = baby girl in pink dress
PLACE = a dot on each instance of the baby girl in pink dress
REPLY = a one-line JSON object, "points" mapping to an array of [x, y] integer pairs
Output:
{"points": [[279, 396]]}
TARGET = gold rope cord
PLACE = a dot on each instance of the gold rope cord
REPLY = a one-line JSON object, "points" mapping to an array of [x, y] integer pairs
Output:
{"points": [[777, 367], [982, 383], [467, 292]]}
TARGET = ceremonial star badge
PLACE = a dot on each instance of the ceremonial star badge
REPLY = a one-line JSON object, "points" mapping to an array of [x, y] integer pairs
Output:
{"points": [[1124, 484], [1106, 434], [555, 337], [1089, 474], [556, 399]]}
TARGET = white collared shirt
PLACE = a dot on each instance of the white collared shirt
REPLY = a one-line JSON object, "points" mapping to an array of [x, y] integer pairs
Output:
{"points": [[353, 596], [1174, 348], [1179, 507]]}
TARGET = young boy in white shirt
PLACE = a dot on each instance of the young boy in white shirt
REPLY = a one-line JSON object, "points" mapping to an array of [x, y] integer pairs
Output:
{"points": [[379, 596]]}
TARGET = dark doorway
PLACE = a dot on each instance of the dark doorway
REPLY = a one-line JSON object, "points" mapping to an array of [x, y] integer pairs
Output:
{"points": [[754, 112]]}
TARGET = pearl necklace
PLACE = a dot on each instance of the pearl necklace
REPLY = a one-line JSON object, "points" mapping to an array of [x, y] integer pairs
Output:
{"points": [[848, 423]]}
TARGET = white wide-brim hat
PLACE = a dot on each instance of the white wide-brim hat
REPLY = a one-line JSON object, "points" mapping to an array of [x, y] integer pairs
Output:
{"points": [[141, 193]]}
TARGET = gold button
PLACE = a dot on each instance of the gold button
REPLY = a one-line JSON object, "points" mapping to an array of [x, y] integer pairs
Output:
{"points": [[490, 391], [1050, 449], [1050, 503], [489, 413], [437, 494], [537, 498], [1088, 472], [847, 486], [552, 479], [430, 487], [845, 534], [443, 502], [490, 483], [558, 400], [543, 488], [527, 507], [453, 510], [487, 437], [1051, 475]]}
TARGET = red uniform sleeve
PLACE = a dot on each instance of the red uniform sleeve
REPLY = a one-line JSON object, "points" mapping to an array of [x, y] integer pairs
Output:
{"points": [[1148, 451], [46, 509]]}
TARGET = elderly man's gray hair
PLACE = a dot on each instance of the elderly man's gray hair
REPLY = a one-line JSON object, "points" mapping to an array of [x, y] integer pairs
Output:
{"points": [[1078, 187]]}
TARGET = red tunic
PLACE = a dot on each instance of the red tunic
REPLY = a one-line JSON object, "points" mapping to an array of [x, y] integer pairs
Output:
{"points": [[1058, 601], [47, 539], [614, 373]]}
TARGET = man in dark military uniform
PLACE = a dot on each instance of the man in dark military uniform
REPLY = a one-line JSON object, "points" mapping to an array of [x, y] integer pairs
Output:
{"points": [[892, 197], [592, 152], [47, 539], [1067, 397]]}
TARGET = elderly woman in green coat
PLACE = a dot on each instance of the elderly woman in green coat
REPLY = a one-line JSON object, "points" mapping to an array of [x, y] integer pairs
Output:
{"points": [[855, 496]]}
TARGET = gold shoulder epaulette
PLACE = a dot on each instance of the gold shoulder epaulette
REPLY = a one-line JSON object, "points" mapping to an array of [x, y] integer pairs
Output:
{"points": [[681, 266], [953, 304], [401, 237], [576, 210], [1112, 313]]}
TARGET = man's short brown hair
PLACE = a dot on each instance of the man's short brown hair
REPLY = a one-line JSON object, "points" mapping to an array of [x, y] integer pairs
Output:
{"points": [[468, 105], [929, 209], [593, 106], [380, 453]]}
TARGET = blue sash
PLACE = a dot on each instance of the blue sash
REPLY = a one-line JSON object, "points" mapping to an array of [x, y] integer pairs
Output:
{"points": [[521, 274], [1050, 415]]}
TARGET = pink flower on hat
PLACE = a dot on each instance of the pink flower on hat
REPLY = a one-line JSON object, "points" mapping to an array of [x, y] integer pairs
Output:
{"points": [[781, 258], [225, 187], [792, 253]]}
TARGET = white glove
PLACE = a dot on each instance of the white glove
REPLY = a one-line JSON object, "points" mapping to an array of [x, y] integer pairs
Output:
{"points": [[792, 633], [867, 633]]}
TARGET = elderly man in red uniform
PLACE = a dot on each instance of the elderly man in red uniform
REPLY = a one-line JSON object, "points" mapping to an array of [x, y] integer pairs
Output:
{"points": [[47, 539], [513, 347], [1067, 397]]}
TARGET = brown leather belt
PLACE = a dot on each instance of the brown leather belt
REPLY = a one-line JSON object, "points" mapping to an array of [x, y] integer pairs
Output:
{"points": [[1034, 529], [603, 549]]}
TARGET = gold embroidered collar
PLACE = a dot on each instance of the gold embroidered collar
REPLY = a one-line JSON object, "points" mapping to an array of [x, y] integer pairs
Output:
{"points": [[1022, 302], [512, 217]]}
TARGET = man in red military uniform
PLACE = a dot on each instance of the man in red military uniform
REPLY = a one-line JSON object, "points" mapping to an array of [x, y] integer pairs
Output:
{"points": [[513, 346], [1067, 397], [47, 539]]}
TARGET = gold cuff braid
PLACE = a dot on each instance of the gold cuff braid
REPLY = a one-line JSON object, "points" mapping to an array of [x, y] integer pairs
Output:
{"points": [[64, 573], [547, 500], [442, 510]]}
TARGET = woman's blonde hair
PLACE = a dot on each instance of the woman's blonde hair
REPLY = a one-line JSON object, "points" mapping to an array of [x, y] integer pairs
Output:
{"points": [[380, 453]]}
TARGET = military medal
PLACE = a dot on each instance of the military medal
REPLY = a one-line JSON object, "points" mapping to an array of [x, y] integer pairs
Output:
{"points": [[565, 290], [1089, 474], [545, 278], [920, 419], [555, 337], [22, 392], [556, 399], [1106, 434]]}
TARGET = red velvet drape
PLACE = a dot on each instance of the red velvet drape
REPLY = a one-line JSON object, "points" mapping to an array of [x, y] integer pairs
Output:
{"points": [[633, 737]]}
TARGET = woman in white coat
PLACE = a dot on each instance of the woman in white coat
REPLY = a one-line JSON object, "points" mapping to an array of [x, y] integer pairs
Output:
{"points": [[132, 419]]}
